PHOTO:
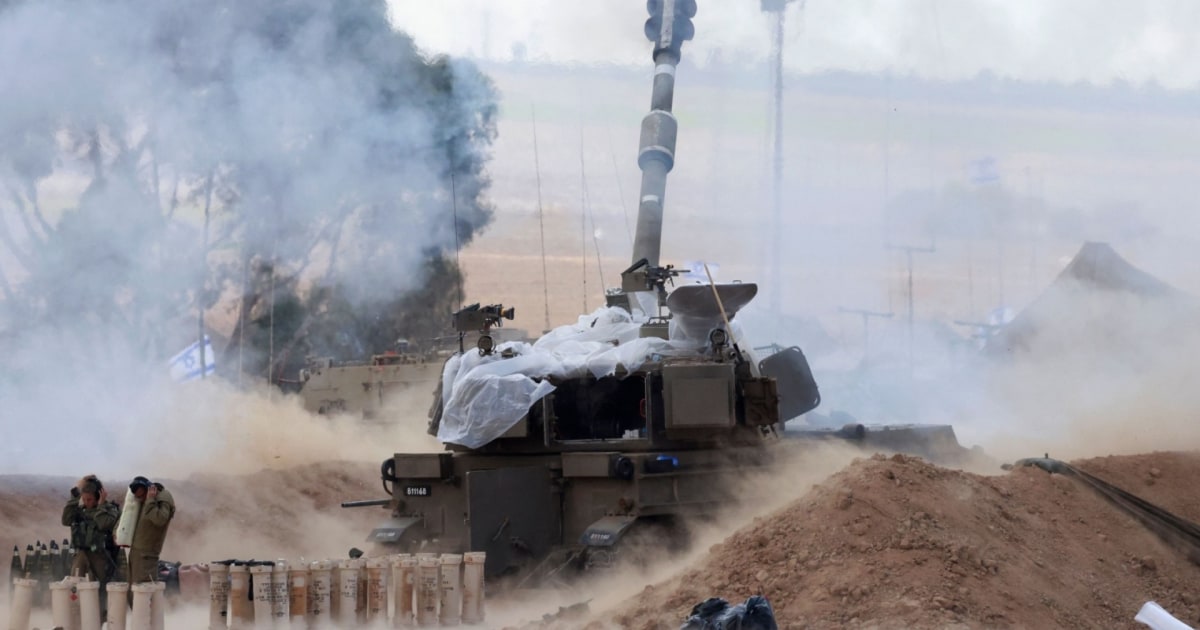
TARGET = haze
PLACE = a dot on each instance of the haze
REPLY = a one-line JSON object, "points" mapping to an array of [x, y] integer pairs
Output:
{"points": [[1000, 135]]}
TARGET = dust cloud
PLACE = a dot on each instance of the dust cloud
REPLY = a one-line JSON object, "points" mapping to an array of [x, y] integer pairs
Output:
{"points": [[247, 431], [1107, 373], [755, 493], [257, 476], [215, 425], [168, 170]]}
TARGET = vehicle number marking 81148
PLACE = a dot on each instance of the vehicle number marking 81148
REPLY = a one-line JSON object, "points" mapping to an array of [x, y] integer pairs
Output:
{"points": [[416, 491]]}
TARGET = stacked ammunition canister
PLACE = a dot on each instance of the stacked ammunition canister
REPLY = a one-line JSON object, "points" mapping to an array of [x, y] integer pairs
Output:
{"points": [[428, 590], [44, 565]]}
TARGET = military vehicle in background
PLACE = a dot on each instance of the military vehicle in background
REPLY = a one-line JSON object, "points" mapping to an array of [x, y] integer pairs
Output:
{"points": [[622, 428], [365, 388], [362, 388]]}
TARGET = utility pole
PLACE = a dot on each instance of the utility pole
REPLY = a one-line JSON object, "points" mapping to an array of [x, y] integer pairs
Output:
{"points": [[909, 250], [866, 323], [1030, 209], [777, 9], [984, 172]]}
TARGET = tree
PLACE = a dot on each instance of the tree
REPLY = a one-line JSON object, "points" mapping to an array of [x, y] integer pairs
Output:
{"points": [[301, 156]]}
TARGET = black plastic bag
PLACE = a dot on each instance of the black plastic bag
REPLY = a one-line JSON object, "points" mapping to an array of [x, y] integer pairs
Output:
{"points": [[168, 572], [715, 613]]}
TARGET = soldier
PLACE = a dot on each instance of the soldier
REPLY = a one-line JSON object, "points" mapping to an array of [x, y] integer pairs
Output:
{"points": [[92, 517], [158, 508]]}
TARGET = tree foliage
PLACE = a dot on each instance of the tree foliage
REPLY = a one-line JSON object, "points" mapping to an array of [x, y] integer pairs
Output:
{"points": [[298, 167]]}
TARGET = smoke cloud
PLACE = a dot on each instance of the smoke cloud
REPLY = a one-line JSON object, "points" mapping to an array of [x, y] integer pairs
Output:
{"points": [[291, 168], [323, 144], [872, 161]]}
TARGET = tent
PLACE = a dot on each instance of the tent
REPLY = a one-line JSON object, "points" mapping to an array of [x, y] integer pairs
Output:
{"points": [[1097, 272]]}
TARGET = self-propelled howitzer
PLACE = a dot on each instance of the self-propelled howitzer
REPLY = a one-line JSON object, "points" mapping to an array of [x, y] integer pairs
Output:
{"points": [[632, 421]]}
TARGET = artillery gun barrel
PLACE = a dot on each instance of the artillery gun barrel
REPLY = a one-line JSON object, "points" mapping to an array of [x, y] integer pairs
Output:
{"points": [[656, 157], [366, 503], [656, 148]]}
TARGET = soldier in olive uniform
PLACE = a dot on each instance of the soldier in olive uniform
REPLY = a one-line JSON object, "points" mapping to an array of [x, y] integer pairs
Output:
{"points": [[92, 518], [158, 508]]}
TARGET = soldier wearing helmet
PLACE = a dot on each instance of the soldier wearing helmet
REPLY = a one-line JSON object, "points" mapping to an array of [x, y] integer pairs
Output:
{"points": [[158, 508], [92, 517]]}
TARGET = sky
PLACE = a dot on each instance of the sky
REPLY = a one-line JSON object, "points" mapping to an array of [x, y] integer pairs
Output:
{"points": [[849, 156], [117, 247], [1098, 41], [1105, 155], [1105, 162], [1110, 164]]}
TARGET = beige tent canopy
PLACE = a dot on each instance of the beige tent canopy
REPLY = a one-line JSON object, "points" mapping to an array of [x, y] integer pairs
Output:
{"points": [[1096, 271]]}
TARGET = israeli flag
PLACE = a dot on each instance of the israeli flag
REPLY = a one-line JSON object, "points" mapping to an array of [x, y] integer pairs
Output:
{"points": [[185, 366], [1000, 316], [984, 171]]}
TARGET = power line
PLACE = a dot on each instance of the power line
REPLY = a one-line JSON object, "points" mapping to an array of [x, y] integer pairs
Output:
{"points": [[620, 189], [590, 214], [457, 244]]}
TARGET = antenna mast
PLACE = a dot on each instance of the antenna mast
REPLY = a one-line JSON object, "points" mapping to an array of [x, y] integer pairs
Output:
{"points": [[537, 169], [866, 315], [909, 250], [589, 217], [583, 221]]}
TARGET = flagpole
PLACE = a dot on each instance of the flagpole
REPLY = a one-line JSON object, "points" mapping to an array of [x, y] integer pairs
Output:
{"points": [[208, 190]]}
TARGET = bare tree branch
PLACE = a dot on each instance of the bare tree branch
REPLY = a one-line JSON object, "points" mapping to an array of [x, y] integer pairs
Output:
{"points": [[175, 196], [318, 237], [95, 156], [154, 174], [334, 247], [6, 237], [32, 193], [9, 297], [23, 214]]}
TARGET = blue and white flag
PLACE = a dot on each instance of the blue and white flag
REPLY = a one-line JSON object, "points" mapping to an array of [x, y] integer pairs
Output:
{"points": [[983, 171], [185, 366], [1000, 316]]}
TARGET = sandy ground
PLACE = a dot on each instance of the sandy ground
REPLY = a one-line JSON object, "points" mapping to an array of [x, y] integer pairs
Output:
{"points": [[884, 542], [290, 513], [894, 542]]}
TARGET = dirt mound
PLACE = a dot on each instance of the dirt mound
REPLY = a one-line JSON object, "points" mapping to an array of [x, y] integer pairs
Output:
{"points": [[887, 542], [896, 542], [273, 513]]}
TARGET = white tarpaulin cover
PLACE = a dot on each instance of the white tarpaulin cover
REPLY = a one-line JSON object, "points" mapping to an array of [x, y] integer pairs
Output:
{"points": [[484, 396]]}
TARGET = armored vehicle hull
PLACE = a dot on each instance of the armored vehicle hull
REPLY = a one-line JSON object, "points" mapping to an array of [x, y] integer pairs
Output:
{"points": [[365, 389], [569, 486], [537, 516], [549, 515]]}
